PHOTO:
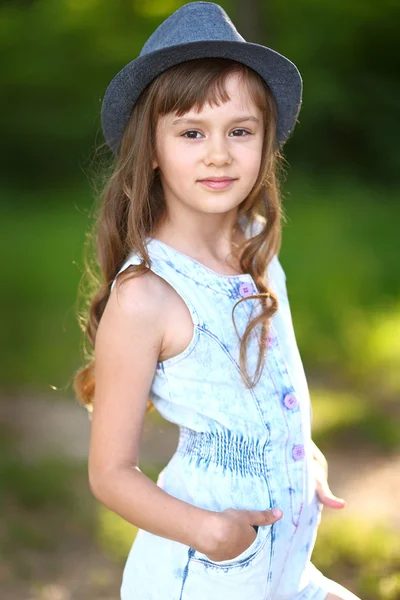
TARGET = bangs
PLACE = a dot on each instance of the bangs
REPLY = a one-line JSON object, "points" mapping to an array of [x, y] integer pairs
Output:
{"points": [[193, 83]]}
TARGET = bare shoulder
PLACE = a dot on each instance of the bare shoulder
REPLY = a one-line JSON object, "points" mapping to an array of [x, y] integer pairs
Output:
{"points": [[127, 346], [140, 294], [132, 325]]}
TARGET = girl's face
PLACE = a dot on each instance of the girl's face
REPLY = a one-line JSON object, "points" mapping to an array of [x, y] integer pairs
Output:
{"points": [[223, 140]]}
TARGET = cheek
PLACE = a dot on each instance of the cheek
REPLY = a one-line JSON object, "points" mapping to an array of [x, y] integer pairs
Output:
{"points": [[249, 168], [181, 160], [251, 162]]}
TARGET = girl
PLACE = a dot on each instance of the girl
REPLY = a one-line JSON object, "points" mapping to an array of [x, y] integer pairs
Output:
{"points": [[192, 317]]}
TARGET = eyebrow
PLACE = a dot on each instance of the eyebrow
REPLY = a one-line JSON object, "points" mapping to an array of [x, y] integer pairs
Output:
{"points": [[237, 119]]}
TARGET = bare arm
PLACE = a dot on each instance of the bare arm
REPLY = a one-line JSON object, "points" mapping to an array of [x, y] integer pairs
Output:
{"points": [[128, 344], [136, 498]]}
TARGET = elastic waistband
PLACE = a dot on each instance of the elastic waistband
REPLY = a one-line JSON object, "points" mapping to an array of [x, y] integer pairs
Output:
{"points": [[224, 448]]}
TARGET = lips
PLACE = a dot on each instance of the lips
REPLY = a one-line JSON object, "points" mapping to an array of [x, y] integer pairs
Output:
{"points": [[218, 179], [217, 184]]}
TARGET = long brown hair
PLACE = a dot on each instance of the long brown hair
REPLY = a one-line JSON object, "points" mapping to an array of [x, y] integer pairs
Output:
{"points": [[131, 201]]}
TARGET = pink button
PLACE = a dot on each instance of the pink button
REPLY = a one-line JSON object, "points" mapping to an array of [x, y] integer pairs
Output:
{"points": [[298, 452], [290, 401], [245, 289]]}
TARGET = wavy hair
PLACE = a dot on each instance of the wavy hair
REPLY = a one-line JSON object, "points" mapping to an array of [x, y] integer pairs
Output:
{"points": [[131, 204]]}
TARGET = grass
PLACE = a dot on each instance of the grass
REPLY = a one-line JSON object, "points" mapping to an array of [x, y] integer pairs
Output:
{"points": [[346, 416], [365, 554]]}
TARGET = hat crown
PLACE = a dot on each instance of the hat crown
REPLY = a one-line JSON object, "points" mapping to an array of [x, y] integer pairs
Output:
{"points": [[193, 22]]}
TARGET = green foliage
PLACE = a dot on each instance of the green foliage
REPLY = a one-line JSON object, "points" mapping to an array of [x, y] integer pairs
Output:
{"points": [[340, 255], [368, 553], [346, 52], [60, 55], [345, 416], [41, 278]]}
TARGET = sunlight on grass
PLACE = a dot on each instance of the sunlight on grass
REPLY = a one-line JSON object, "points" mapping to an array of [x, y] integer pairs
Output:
{"points": [[389, 587], [337, 413], [359, 543], [373, 342], [333, 410], [371, 553], [114, 534]]}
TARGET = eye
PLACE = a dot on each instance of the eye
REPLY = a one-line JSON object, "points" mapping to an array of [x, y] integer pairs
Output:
{"points": [[190, 131], [245, 131], [194, 131]]}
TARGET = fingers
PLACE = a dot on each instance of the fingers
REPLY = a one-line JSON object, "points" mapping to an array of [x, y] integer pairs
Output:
{"points": [[264, 517], [331, 501], [326, 496]]}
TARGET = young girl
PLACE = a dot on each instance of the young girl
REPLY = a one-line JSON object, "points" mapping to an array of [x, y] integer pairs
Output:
{"points": [[193, 317]]}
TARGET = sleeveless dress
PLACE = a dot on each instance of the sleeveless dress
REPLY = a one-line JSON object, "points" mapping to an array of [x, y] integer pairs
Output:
{"points": [[238, 448]]}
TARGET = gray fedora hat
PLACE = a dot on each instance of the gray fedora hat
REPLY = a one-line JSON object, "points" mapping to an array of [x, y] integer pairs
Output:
{"points": [[199, 30]]}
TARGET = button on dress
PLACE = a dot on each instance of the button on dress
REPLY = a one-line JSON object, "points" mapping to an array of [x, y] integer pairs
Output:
{"points": [[238, 448]]}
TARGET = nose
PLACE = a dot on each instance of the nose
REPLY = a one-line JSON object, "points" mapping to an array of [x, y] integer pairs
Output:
{"points": [[217, 151]]}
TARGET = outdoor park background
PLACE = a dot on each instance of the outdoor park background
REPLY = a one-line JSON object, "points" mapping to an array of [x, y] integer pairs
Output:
{"points": [[340, 252]]}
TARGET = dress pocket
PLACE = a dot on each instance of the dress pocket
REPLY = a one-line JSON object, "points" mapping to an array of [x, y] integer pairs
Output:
{"points": [[245, 576], [263, 533]]}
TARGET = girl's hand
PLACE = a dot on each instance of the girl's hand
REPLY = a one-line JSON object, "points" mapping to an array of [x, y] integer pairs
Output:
{"points": [[234, 531], [321, 475]]}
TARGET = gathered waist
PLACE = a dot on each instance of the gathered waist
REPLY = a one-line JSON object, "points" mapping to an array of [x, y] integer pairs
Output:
{"points": [[224, 448]]}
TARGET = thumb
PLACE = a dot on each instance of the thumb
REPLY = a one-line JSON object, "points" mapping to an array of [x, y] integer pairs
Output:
{"points": [[265, 517]]}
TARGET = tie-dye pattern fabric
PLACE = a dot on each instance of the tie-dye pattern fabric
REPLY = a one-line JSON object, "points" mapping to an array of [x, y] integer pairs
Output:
{"points": [[238, 448]]}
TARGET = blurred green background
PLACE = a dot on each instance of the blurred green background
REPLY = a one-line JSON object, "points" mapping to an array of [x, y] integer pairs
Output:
{"points": [[340, 252]]}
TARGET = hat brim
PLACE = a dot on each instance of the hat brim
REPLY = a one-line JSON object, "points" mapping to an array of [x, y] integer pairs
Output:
{"points": [[281, 75]]}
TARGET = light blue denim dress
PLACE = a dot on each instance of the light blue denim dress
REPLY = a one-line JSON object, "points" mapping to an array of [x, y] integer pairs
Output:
{"points": [[238, 448]]}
